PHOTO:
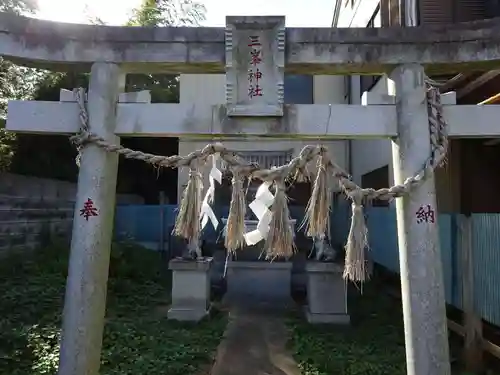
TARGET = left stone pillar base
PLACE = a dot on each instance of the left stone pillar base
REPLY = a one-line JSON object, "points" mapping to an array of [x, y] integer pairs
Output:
{"points": [[190, 289], [326, 294]]}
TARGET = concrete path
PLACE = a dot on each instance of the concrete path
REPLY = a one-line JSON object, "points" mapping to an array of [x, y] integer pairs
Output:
{"points": [[254, 344]]}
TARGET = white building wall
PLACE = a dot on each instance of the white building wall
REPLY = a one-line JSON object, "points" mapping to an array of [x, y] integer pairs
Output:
{"points": [[329, 89], [368, 155], [209, 89]]}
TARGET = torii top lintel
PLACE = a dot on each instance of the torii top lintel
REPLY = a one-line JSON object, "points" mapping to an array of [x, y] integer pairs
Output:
{"points": [[61, 46]]}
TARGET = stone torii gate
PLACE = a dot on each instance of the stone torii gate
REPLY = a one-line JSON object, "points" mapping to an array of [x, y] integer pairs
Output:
{"points": [[111, 52]]}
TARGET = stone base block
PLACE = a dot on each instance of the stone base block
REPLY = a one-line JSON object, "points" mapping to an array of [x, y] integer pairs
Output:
{"points": [[259, 281], [328, 318], [187, 314], [326, 293], [190, 289]]}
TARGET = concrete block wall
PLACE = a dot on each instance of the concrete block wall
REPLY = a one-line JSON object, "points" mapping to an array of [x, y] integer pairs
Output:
{"points": [[28, 222], [49, 189], [33, 210]]}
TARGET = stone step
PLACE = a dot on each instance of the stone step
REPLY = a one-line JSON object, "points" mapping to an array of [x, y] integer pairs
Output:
{"points": [[18, 239], [8, 250], [34, 226], [10, 213], [30, 202]]}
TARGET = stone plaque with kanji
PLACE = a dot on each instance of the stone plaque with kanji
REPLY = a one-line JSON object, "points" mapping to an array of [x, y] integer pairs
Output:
{"points": [[255, 59]]}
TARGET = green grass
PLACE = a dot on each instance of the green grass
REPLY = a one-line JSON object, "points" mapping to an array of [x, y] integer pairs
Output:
{"points": [[138, 338], [372, 345]]}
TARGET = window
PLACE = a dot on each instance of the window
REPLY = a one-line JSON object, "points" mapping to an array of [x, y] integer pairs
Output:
{"points": [[266, 159], [367, 82], [298, 89]]}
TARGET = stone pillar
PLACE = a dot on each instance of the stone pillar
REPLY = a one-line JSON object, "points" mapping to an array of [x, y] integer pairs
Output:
{"points": [[85, 301], [422, 283], [326, 293], [190, 289]]}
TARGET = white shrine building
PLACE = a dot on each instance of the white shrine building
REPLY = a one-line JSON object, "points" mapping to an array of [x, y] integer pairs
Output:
{"points": [[370, 161], [209, 89]]}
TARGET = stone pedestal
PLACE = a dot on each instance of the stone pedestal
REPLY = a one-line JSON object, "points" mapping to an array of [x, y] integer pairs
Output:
{"points": [[259, 282], [190, 289], [326, 294]]}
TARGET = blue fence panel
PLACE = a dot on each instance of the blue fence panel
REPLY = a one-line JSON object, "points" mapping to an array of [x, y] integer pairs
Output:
{"points": [[382, 236], [383, 242], [486, 261], [143, 224], [448, 252]]}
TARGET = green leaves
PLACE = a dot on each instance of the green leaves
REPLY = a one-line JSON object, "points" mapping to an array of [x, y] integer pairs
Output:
{"points": [[152, 344], [138, 339], [168, 13], [372, 345], [18, 6]]}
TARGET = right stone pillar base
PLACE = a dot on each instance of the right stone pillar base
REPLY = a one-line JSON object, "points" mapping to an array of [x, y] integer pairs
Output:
{"points": [[326, 294]]}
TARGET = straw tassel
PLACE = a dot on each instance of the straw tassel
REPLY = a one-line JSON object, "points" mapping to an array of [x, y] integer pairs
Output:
{"points": [[355, 268], [279, 243], [301, 175], [317, 217], [235, 229], [187, 223]]}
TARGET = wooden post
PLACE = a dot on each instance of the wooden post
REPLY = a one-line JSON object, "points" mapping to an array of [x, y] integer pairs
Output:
{"points": [[385, 13], [473, 340], [394, 13], [402, 12]]}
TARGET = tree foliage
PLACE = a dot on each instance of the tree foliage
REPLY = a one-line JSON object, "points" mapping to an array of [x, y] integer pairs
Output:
{"points": [[53, 156], [48, 155], [18, 6], [164, 87], [168, 13], [15, 82]]}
